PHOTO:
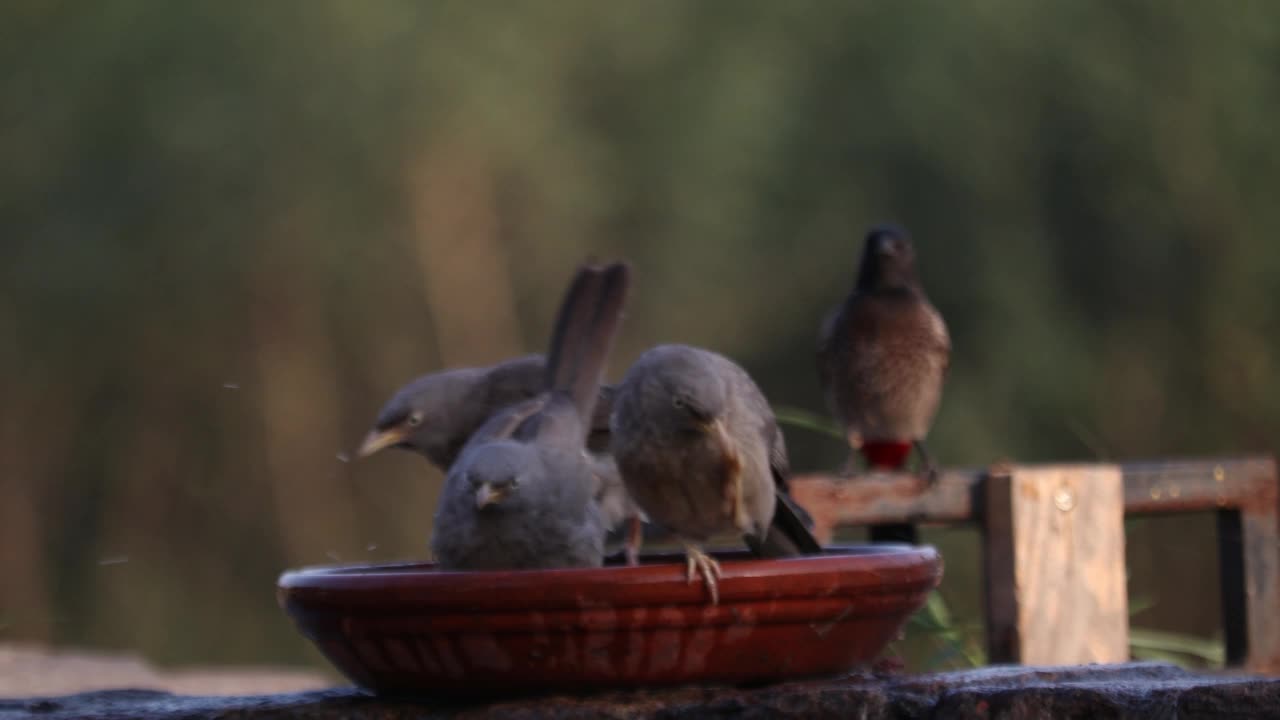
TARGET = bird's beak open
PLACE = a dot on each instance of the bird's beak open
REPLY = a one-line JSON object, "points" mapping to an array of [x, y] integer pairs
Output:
{"points": [[487, 495], [379, 439]]}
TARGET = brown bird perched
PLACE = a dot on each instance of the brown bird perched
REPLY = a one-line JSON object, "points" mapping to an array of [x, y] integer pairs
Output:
{"points": [[524, 492], [883, 355], [701, 454]]}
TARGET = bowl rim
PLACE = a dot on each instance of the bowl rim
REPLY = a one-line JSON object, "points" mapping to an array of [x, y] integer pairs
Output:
{"points": [[874, 568]]}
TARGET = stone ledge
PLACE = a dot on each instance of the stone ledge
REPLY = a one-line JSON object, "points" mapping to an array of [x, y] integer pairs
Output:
{"points": [[1136, 690], [31, 670]]}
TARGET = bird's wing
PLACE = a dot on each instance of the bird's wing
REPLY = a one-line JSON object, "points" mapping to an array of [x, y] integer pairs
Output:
{"points": [[826, 345], [509, 422], [788, 533], [938, 330]]}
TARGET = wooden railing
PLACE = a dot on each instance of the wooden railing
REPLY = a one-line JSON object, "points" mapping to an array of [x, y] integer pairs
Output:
{"points": [[1054, 562]]}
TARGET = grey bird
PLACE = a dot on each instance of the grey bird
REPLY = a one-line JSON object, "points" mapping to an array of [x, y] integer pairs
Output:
{"points": [[435, 414], [883, 355], [523, 491], [702, 454]]}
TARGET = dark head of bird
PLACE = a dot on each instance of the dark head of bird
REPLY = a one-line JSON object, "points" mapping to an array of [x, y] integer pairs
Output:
{"points": [[494, 474], [888, 260], [681, 391], [428, 415]]}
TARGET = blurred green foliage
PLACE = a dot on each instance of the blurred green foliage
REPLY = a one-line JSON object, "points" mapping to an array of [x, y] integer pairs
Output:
{"points": [[230, 230]]}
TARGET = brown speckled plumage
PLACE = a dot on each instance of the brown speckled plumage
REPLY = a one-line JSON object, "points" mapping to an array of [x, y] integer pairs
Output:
{"points": [[884, 352]]}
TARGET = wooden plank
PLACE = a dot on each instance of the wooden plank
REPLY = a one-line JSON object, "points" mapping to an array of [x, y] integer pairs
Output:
{"points": [[1055, 565], [884, 498], [1149, 487], [1191, 485]]}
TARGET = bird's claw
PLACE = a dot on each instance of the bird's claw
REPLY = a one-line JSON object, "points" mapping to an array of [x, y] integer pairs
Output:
{"points": [[635, 535], [929, 471], [700, 563], [931, 476]]}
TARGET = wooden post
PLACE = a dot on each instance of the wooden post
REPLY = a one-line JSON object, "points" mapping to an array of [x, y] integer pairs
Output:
{"points": [[1259, 520], [1235, 624], [1055, 565]]}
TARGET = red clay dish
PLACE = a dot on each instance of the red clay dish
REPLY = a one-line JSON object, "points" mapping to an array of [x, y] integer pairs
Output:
{"points": [[409, 628]]}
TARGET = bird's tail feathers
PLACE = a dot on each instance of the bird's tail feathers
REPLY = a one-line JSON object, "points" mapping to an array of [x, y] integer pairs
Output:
{"points": [[788, 533], [584, 333]]}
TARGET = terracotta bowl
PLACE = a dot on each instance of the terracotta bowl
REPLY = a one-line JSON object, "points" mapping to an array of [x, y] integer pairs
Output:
{"points": [[409, 628]]}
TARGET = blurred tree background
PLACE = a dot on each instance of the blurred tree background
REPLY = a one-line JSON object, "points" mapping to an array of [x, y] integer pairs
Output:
{"points": [[230, 230]]}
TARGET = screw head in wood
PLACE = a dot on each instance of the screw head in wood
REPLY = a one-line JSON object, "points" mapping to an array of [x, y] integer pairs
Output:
{"points": [[1064, 499]]}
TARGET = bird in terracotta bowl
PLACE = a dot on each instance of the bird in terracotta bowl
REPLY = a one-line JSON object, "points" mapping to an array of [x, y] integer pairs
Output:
{"points": [[701, 454], [524, 492]]}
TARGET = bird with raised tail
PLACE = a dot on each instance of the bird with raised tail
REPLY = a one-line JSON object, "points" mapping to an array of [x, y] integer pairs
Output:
{"points": [[883, 355], [523, 492], [434, 415], [701, 453]]}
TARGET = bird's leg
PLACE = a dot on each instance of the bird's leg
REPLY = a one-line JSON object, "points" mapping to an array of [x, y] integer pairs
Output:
{"points": [[849, 469], [700, 563], [635, 536], [517, 415], [927, 467]]}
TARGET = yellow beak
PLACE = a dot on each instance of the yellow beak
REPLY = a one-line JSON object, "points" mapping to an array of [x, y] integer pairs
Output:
{"points": [[378, 439], [486, 496], [718, 432], [733, 492]]}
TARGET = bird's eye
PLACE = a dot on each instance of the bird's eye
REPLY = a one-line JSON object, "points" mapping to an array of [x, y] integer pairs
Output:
{"points": [[678, 402], [515, 483], [415, 419]]}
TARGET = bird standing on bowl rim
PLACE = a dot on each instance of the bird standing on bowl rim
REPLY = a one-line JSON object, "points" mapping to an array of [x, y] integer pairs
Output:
{"points": [[882, 358], [702, 454], [523, 491]]}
